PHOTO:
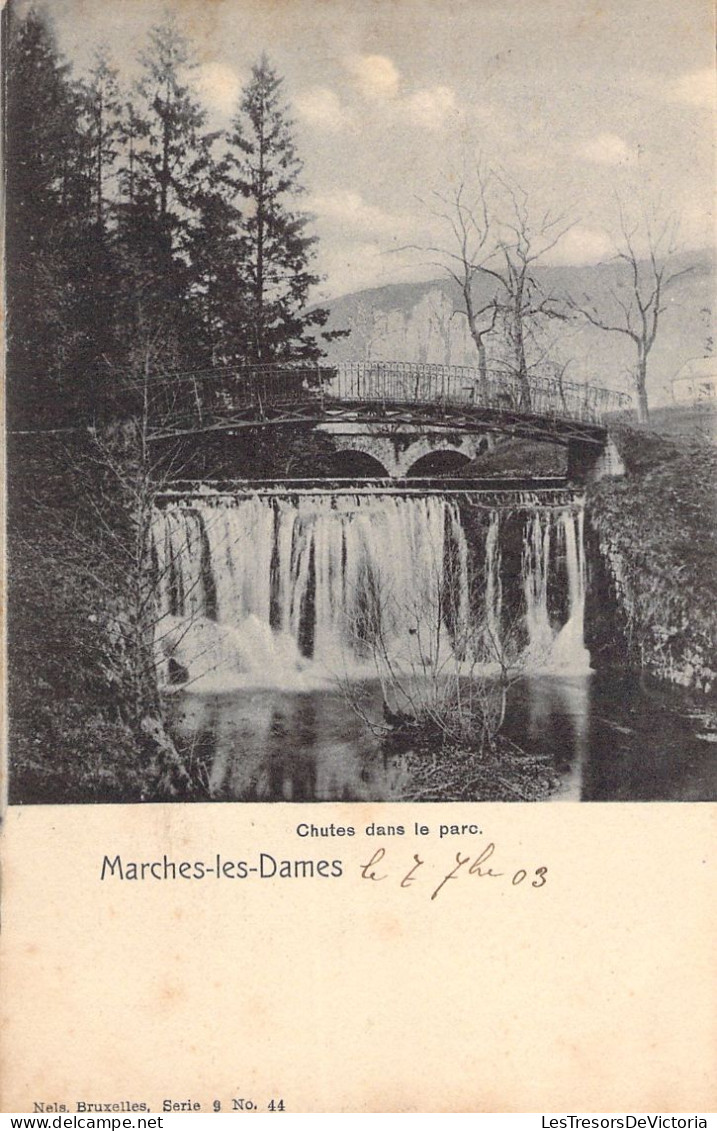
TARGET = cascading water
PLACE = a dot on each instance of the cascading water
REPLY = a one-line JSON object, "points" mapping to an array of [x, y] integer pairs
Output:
{"points": [[569, 651], [285, 591], [548, 649], [493, 589], [536, 568]]}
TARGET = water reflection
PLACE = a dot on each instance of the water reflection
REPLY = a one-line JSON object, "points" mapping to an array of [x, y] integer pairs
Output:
{"points": [[556, 710], [275, 746], [610, 740]]}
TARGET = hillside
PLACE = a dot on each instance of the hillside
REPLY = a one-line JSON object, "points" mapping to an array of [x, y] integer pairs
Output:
{"points": [[657, 534], [422, 322]]}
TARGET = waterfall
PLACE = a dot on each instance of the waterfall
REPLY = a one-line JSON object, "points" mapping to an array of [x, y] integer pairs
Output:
{"points": [[493, 589], [554, 648], [286, 591], [569, 651], [536, 571]]}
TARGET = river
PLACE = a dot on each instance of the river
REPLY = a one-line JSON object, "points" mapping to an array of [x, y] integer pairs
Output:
{"points": [[265, 599], [610, 739]]}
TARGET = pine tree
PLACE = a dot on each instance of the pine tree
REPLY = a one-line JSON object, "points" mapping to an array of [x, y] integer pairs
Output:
{"points": [[172, 155], [44, 163], [218, 296], [163, 173], [85, 241], [103, 113], [277, 252]]}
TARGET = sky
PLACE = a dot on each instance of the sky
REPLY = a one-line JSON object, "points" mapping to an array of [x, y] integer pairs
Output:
{"points": [[580, 103]]}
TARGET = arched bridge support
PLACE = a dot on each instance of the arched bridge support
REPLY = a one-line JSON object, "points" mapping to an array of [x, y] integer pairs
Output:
{"points": [[397, 451], [588, 462]]}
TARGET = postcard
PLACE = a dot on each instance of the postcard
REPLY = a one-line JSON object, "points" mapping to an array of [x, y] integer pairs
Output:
{"points": [[360, 431]]}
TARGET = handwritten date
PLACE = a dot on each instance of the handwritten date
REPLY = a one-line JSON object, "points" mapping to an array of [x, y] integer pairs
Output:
{"points": [[377, 869]]}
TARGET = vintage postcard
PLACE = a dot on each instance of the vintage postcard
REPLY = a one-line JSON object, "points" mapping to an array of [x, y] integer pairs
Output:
{"points": [[361, 453]]}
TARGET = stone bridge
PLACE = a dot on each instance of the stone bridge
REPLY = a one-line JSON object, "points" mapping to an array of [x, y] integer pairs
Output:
{"points": [[400, 452], [396, 418]]}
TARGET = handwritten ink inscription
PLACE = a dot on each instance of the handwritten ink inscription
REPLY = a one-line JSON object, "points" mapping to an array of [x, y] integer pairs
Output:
{"points": [[380, 868]]}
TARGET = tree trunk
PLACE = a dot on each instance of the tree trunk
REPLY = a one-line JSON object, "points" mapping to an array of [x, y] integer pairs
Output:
{"points": [[99, 167], [483, 371], [260, 221], [164, 175], [643, 414], [259, 291], [130, 187], [521, 365], [477, 336]]}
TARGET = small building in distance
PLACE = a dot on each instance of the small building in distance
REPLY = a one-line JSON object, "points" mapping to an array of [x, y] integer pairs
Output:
{"points": [[696, 382]]}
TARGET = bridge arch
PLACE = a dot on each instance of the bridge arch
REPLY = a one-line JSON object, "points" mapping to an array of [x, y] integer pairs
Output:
{"points": [[369, 450], [354, 463], [443, 461], [442, 455]]}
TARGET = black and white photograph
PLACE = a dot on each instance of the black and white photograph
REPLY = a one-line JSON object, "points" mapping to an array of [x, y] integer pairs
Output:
{"points": [[361, 401], [360, 491]]}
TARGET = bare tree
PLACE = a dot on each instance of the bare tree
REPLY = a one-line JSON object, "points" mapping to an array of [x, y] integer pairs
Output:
{"points": [[504, 244], [634, 303], [442, 665], [464, 211], [521, 243]]}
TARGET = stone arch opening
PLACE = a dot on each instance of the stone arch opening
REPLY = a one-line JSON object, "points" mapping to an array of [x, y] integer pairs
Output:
{"points": [[349, 463], [444, 462]]}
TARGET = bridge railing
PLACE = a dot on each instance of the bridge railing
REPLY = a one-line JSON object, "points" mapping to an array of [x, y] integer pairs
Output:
{"points": [[417, 383], [213, 394], [200, 397]]}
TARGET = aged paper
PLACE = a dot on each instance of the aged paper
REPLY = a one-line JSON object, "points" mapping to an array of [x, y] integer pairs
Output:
{"points": [[592, 994], [306, 955]]}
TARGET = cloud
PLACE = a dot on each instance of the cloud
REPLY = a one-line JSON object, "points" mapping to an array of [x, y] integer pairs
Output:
{"points": [[321, 107], [606, 149], [431, 107], [219, 86], [696, 88], [379, 81], [377, 77], [351, 211]]}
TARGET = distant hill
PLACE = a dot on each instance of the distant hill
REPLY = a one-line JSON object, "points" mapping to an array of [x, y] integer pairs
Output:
{"points": [[421, 322]]}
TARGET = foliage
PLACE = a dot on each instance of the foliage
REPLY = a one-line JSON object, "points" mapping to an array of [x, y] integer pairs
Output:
{"points": [[443, 716], [133, 237], [449, 772], [511, 456], [283, 453], [41, 141], [277, 251], [85, 718], [444, 664], [657, 532], [134, 232]]}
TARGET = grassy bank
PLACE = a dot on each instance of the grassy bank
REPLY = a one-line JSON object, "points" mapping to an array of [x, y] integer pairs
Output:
{"points": [[657, 531], [456, 772]]}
